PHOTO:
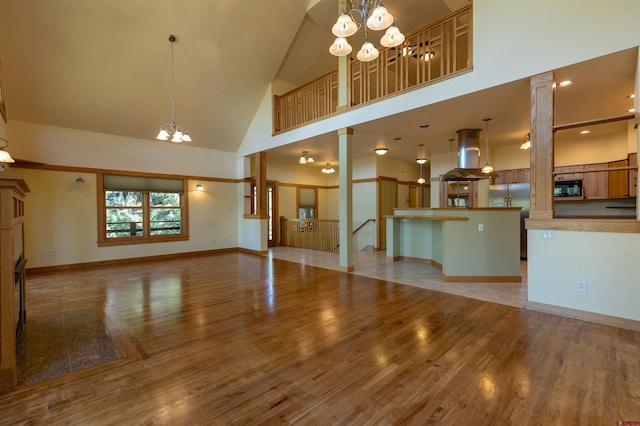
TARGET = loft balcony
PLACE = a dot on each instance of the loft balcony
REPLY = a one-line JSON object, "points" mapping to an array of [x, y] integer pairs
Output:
{"points": [[438, 51]]}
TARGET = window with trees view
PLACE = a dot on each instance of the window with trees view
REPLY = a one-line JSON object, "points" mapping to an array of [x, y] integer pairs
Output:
{"points": [[152, 210]]}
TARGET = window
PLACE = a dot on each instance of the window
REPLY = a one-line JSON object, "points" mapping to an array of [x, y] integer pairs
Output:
{"points": [[134, 209]]}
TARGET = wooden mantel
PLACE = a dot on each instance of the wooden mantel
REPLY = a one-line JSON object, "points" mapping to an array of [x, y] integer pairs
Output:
{"points": [[13, 189]]}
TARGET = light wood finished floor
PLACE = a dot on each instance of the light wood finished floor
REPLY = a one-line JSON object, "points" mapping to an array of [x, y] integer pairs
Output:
{"points": [[242, 339]]}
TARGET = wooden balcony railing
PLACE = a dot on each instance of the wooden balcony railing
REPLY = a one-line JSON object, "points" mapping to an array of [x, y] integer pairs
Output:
{"points": [[313, 234], [437, 51]]}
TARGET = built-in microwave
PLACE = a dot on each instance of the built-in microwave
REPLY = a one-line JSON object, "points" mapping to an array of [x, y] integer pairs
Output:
{"points": [[567, 188]]}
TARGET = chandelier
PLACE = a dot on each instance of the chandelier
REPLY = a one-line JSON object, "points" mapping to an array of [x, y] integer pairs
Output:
{"points": [[170, 130], [375, 17], [305, 158], [328, 170]]}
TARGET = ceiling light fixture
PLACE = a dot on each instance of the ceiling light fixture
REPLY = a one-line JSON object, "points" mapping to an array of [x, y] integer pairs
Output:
{"points": [[328, 169], [421, 160], [585, 132], [375, 17], [565, 83], [527, 142], [170, 130], [305, 158], [487, 167], [381, 151], [5, 157]]}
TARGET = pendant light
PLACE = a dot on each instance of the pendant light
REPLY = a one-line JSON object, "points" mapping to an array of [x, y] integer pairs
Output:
{"points": [[487, 167], [421, 160], [170, 130], [5, 157]]}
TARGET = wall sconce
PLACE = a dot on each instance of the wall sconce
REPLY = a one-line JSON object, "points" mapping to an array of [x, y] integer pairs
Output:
{"points": [[199, 187], [5, 157], [527, 142], [79, 181]]}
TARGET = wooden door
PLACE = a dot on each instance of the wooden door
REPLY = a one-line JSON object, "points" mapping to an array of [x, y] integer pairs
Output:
{"points": [[386, 202]]}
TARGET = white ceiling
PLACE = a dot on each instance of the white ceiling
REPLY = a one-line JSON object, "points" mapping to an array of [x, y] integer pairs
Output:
{"points": [[104, 66]]}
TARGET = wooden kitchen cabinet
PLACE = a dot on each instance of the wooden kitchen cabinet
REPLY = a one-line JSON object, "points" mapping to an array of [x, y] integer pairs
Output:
{"points": [[619, 180], [595, 185], [633, 175], [512, 176], [569, 172]]}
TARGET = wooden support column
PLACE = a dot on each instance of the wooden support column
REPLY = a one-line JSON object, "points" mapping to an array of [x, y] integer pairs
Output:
{"points": [[345, 137], [261, 184], [542, 104]]}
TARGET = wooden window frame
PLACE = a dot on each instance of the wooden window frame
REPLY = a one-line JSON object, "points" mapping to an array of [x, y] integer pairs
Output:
{"points": [[146, 238]]}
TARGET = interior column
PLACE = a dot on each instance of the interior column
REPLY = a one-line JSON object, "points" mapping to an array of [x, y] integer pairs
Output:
{"points": [[542, 101], [345, 137]]}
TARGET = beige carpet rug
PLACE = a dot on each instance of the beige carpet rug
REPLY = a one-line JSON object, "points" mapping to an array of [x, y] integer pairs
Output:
{"points": [[59, 344]]}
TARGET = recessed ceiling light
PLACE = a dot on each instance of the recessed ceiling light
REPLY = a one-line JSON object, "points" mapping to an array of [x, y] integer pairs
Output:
{"points": [[424, 126], [397, 138], [565, 83], [585, 132]]}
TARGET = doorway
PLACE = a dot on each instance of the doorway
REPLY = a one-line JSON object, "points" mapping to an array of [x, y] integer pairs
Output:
{"points": [[272, 214]]}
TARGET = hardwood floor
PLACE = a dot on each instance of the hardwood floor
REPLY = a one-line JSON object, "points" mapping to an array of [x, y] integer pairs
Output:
{"points": [[242, 339]]}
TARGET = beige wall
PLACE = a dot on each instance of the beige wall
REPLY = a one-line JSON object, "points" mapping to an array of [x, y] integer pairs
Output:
{"points": [[61, 225]]}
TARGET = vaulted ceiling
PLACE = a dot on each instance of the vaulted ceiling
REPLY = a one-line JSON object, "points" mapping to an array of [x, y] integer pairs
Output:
{"points": [[105, 66]]}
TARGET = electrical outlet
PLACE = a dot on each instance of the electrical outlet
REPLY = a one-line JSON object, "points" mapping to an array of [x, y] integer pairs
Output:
{"points": [[43, 253], [546, 235], [481, 227], [582, 286]]}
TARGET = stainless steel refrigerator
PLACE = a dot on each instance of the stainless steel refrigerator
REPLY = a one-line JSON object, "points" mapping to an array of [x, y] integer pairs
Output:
{"points": [[515, 195]]}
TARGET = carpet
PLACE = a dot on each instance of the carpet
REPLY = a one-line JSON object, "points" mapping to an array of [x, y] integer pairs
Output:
{"points": [[58, 344]]}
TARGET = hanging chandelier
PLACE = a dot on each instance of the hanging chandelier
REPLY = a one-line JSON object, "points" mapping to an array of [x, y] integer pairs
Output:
{"points": [[375, 17], [170, 130], [305, 158], [328, 170], [487, 167]]}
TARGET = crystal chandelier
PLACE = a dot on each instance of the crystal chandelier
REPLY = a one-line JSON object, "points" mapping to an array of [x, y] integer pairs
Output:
{"points": [[170, 130], [354, 14]]}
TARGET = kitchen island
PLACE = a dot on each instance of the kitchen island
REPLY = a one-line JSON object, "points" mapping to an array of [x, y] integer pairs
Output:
{"points": [[468, 244]]}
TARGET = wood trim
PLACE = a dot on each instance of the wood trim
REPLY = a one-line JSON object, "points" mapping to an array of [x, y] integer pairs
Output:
{"points": [[605, 120], [254, 216], [418, 217], [623, 226], [56, 168], [594, 317], [128, 260], [482, 279]]}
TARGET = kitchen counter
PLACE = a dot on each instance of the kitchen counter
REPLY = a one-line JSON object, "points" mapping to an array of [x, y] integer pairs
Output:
{"points": [[469, 244]]}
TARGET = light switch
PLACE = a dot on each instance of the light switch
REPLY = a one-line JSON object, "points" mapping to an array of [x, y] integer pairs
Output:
{"points": [[481, 227]]}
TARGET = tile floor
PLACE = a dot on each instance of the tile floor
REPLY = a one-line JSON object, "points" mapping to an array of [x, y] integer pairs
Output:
{"points": [[374, 264], [61, 343]]}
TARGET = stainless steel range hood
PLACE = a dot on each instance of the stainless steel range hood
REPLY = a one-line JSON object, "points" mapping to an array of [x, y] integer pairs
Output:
{"points": [[468, 158]]}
